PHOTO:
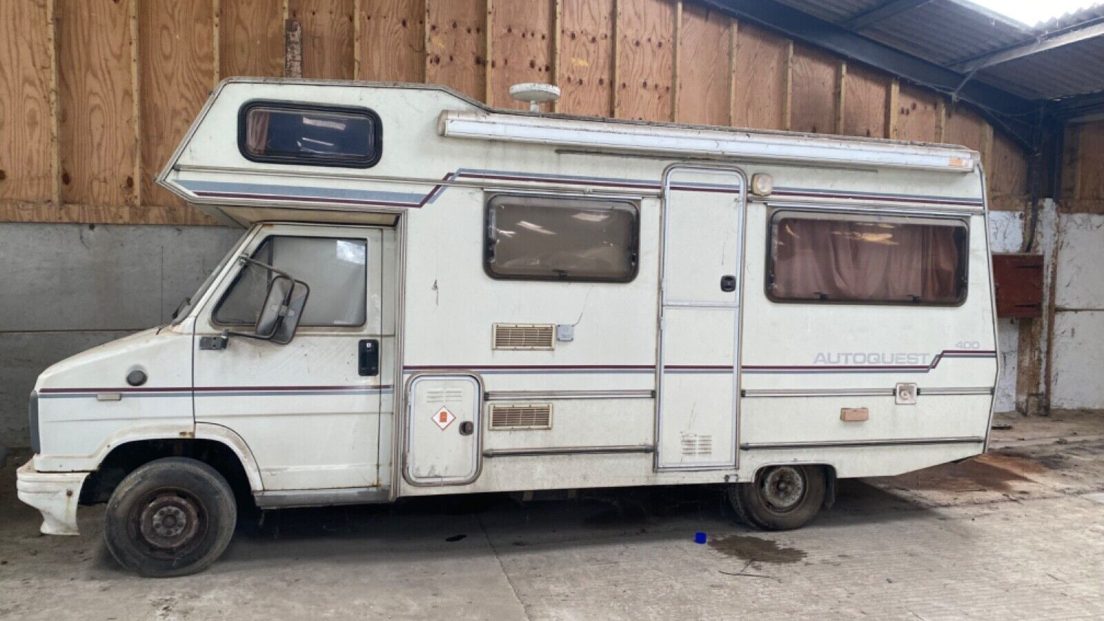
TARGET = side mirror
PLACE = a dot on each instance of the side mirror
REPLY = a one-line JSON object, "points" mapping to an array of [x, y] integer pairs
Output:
{"points": [[275, 307], [296, 301]]}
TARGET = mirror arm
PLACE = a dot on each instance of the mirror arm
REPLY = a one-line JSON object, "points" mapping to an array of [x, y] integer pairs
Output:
{"points": [[244, 259]]}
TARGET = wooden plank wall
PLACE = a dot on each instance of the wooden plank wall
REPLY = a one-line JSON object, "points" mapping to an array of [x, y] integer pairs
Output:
{"points": [[95, 94], [1083, 168]]}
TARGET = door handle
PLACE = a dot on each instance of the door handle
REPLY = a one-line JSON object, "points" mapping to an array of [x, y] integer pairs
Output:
{"points": [[728, 283], [368, 357]]}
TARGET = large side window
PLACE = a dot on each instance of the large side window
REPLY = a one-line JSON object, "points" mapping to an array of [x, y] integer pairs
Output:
{"points": [[288, 133], [554, 238], [336, 270], [867, 259]]}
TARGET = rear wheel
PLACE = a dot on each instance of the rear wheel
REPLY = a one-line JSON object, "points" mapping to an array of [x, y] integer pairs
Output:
{"points": [[781, 497], [170, 517]]}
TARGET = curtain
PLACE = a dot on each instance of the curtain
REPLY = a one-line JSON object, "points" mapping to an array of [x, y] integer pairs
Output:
{"points": [[873, 261], [256, 131]]}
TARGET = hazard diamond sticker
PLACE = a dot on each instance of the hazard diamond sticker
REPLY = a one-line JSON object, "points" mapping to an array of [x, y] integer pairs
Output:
{"points": [[443, 418]]}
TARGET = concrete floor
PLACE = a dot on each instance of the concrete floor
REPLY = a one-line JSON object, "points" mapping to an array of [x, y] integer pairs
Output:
{"points": [[1018, 533]]}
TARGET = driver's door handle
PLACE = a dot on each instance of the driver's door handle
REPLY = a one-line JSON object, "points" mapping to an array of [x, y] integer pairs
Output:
{"points": [[728, 283], [368, 357]]}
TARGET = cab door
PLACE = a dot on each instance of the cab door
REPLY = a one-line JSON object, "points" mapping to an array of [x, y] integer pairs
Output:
{"points": [[308, 410]]}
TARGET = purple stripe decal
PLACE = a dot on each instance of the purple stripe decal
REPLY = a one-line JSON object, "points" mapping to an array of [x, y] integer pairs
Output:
{"points": [[438, 189], [213, 389]]}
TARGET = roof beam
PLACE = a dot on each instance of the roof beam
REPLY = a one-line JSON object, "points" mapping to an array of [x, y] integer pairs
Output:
{"points": [[1035, 46], [1007, 110], [881, 12]]}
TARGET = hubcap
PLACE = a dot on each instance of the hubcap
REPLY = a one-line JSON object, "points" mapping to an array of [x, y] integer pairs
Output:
{"points": [[783, 488], [169, 521]]}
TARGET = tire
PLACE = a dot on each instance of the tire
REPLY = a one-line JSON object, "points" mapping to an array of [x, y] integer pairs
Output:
{"points": [[781, 498], [170, 517]]}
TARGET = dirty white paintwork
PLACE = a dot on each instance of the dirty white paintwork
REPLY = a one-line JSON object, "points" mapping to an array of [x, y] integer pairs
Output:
{"points": [[423, 207], [1006, 232]]}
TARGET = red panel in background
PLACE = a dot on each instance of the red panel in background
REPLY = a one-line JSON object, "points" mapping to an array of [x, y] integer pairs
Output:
{"points": [[1019, 284]]}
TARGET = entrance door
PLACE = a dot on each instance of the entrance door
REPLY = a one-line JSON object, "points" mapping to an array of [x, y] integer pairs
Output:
{"points": [[309, 410], [700, 284]]}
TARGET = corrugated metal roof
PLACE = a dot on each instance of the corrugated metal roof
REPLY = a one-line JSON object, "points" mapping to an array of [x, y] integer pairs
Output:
{"points": [[948, 32]]}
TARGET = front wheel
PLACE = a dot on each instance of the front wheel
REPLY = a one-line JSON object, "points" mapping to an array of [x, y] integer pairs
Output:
{"points": [[781, 497], [170, 517]]}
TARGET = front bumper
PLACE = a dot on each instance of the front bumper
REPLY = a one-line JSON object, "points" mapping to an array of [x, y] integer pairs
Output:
{"points": [[54, 494]]}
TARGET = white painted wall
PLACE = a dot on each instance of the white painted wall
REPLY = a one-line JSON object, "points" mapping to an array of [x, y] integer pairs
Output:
{"points": [[1006, 235], [1079, 315]]}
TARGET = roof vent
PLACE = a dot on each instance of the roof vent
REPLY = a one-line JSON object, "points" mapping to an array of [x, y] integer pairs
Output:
{"points": [[535, 93]]}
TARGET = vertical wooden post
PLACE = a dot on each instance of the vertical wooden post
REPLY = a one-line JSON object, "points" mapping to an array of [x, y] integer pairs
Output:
{"points": [[733, 33], [136, 84], [841, 94], [216, 40], [941, 120], [893, 96], [557, 27], [358, 43], [987, 151], [615, 93], [488, 75], [675, 55], [55, 104], [787, 87]]}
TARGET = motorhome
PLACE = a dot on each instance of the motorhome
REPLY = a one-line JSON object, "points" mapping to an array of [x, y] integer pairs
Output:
{"points": [[434, 297]]}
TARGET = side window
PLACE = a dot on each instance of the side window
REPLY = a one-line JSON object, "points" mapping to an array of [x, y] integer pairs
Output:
{"points": [[288, 133], [867, 259], [567, 239], [335, 269]]}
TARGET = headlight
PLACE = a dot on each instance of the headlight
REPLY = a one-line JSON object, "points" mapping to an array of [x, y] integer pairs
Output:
{"points": [[32, 414]]}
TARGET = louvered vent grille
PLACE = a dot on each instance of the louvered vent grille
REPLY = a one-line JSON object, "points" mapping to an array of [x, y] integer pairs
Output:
{"points": [[444, 395], [535, 416], [523, 336], [694, 445]]}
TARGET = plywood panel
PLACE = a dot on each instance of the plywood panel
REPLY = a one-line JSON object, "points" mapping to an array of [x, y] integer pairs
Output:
{"points": [[645, 57], [864, 102], [814, 91], [251, 38], [964, 127], [759, 76], [703, 59], [327, 37], [96, 97], [1090, 164], [392, 41], [522, 51], [177, 71], [917, 116], [26, 149], [1007, 175], [586, 57], [456, 45]]}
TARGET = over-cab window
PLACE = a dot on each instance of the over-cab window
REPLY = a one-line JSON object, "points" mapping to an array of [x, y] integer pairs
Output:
{"points": [[867, 259], [289, 133], [561, 238], [336, 270]]}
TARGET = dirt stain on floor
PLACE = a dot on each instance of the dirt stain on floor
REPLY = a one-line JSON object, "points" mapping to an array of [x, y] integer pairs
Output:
{"points": [[755, 549]]}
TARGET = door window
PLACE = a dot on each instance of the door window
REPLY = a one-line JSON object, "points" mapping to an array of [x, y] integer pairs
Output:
{"points": [[336, 270]]}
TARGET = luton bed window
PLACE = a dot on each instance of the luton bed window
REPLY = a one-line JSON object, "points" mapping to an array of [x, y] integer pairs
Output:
{"points": [[867, 259], [561, 238], [290, 133]]}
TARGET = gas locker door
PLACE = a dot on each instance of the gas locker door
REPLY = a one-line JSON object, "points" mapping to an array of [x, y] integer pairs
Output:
{"points": [[443, 439], [698, 370]]}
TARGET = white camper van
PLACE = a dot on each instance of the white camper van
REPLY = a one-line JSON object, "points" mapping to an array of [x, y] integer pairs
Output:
{"points": [[433, 297]]}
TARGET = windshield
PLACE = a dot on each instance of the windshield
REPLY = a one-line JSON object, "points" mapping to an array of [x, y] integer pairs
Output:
{"points": [[187, 303]]}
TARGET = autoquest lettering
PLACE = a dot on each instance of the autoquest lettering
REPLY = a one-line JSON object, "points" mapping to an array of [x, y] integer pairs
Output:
{"points": [[870, 358]]}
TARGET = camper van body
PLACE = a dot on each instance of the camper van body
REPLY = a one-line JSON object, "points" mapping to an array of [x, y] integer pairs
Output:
{"points": [[437, 367]]}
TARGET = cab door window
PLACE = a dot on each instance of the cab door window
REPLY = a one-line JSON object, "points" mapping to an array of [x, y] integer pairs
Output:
{"points": [[336, 271]]}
